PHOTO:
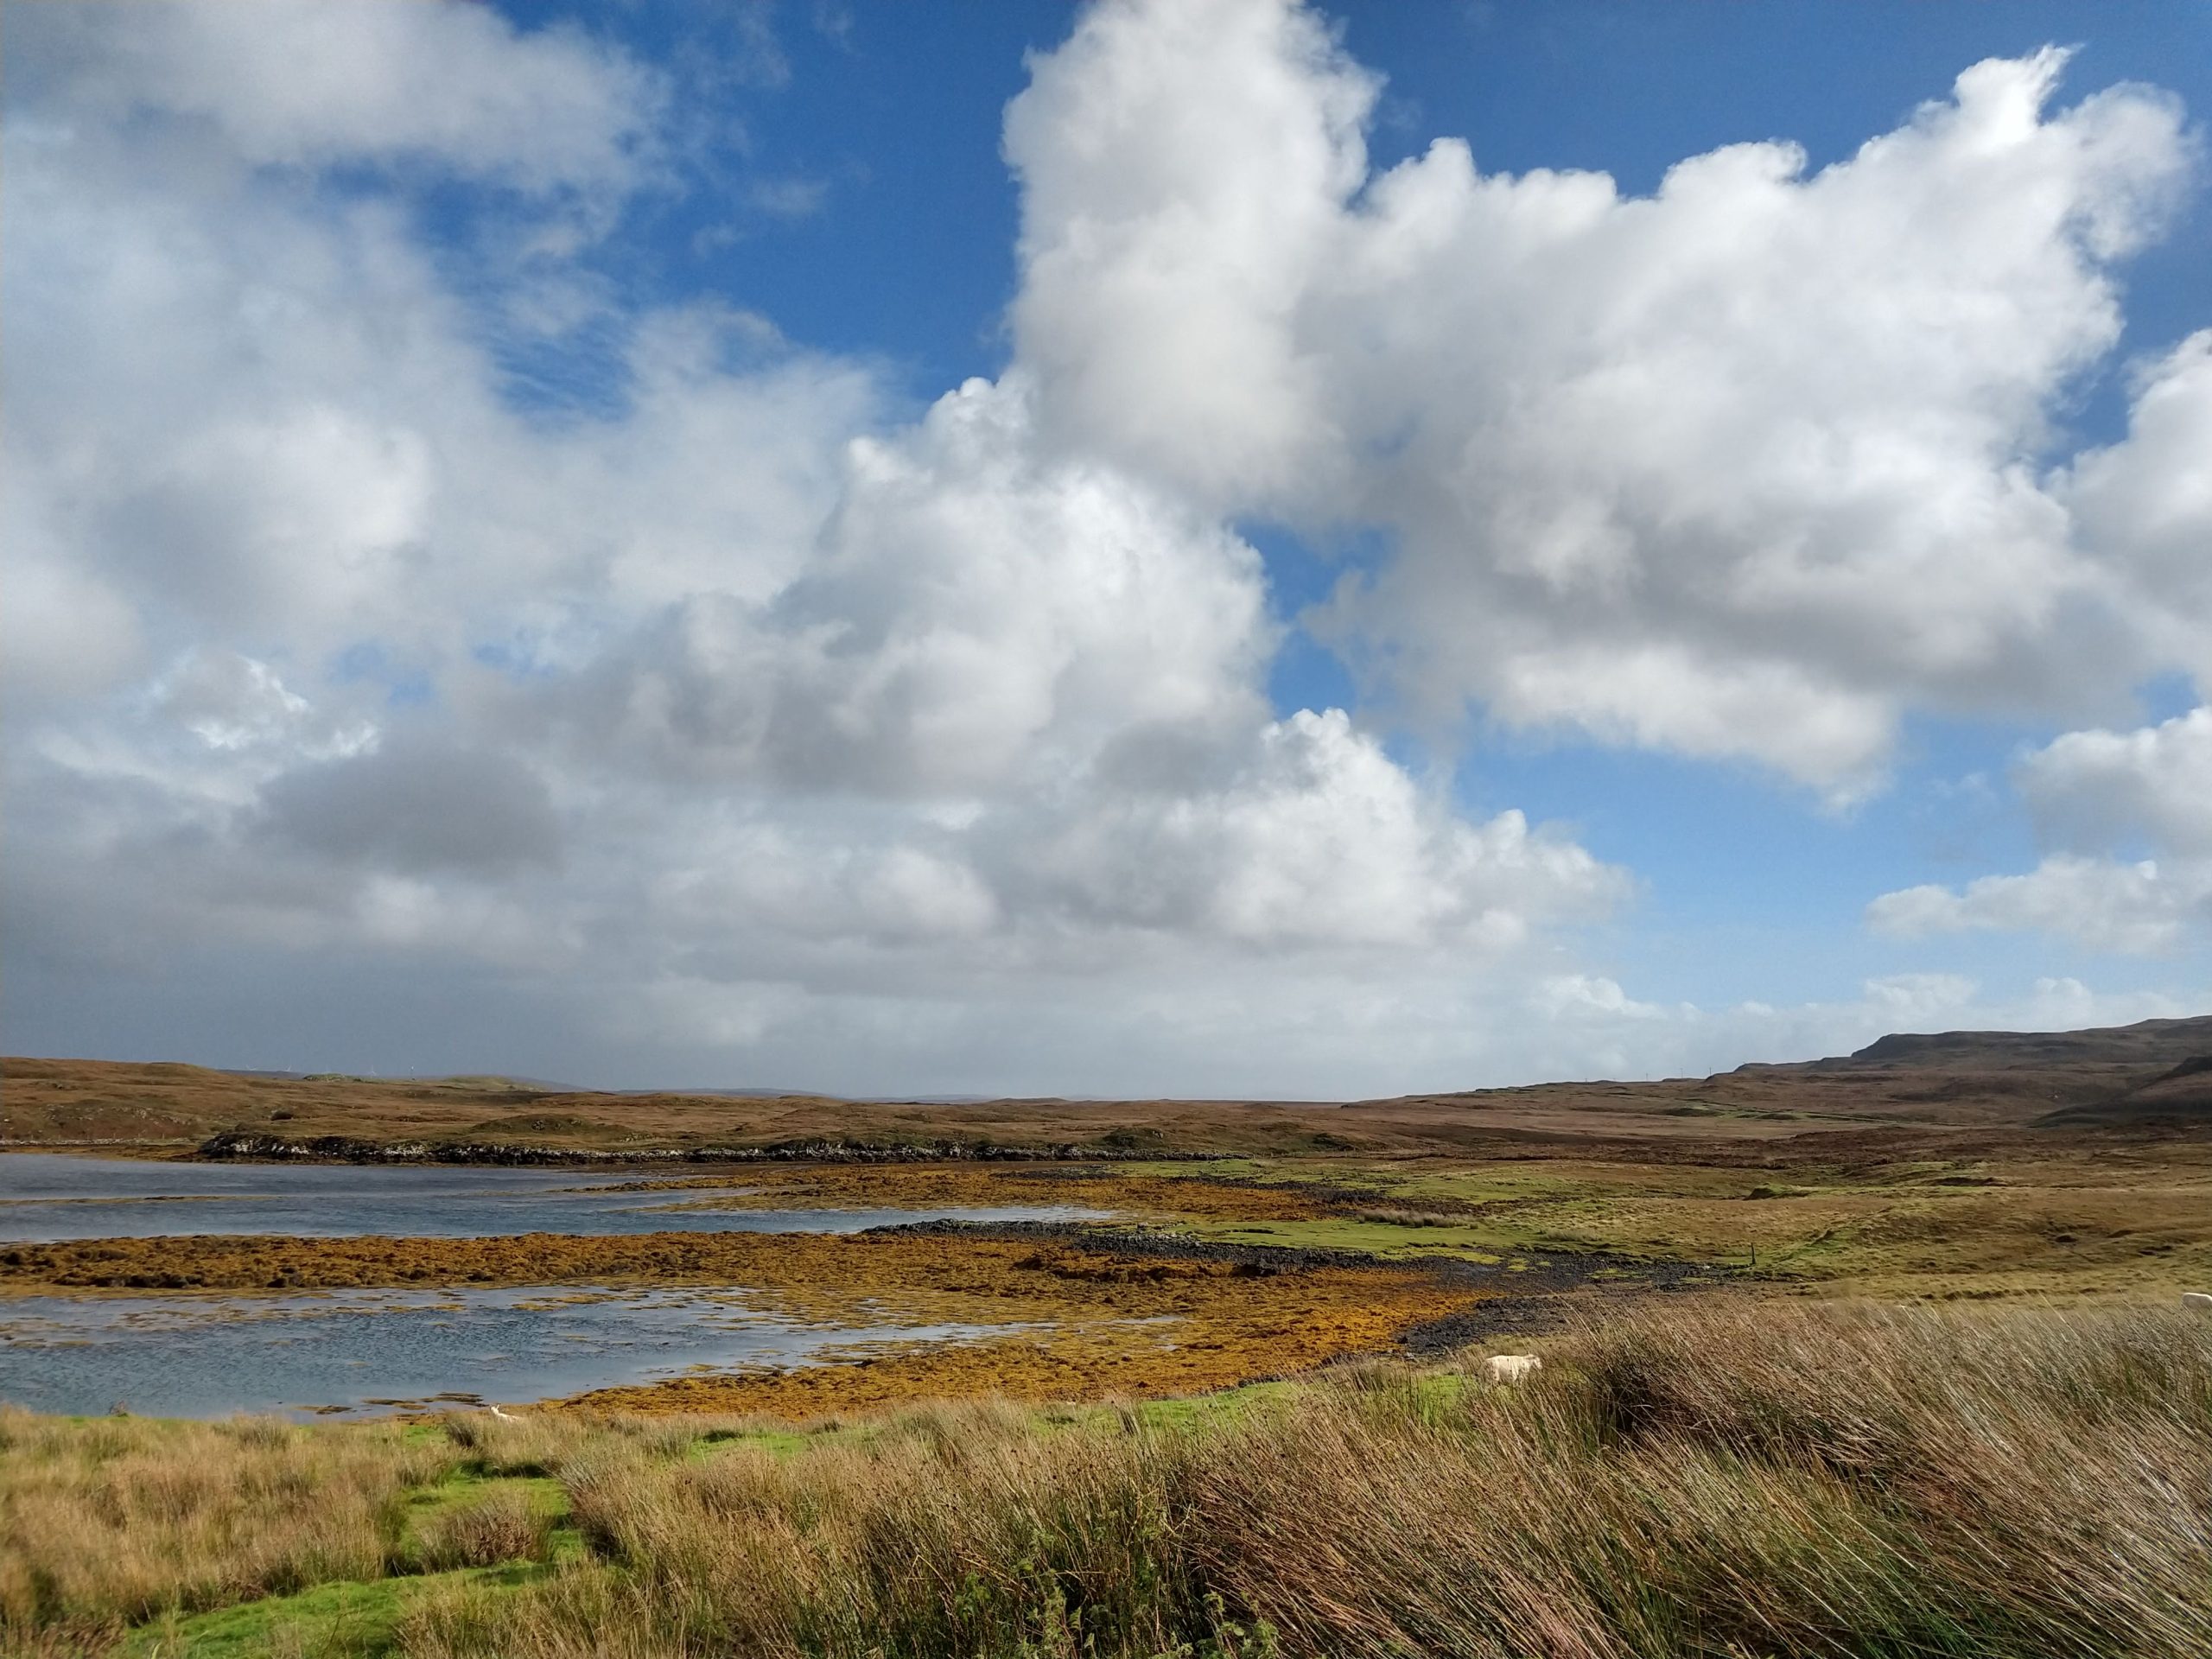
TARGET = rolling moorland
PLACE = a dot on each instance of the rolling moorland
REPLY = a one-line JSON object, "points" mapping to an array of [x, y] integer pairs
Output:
{"points": [[2158, 1072], [1881, 1355]]}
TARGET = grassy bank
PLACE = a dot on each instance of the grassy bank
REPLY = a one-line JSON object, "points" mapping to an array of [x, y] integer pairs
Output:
{"points": [[1718, 1477]]}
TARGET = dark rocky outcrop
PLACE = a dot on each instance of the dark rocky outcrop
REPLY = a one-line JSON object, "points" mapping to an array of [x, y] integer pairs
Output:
{"points": [[2180, 1097]]}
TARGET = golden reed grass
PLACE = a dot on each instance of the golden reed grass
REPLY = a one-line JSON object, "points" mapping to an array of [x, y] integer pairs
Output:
{"points": [[106, 1522]]}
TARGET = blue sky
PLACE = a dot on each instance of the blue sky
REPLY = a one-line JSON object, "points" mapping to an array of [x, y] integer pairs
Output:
{"points": [[544, 607]]}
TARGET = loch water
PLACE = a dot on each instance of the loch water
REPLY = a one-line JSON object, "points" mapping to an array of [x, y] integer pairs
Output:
{"points": [[198, 1354], [48, 1197], [366, 1352]]}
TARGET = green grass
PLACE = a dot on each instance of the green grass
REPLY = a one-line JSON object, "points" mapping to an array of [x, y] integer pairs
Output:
{"points": [[776, 1442], [1386, 1239], [354, 1619]]}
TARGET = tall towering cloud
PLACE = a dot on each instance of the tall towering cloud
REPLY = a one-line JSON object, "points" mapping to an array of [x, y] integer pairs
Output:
{"points": [[1745, 468], [726, 710]]}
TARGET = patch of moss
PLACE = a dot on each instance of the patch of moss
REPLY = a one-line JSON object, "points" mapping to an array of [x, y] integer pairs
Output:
{"points": [[1371, 1238]]}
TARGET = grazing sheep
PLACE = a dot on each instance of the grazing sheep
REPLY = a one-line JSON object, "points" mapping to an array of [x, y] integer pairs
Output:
{"points": [[2197, 1300], [1511, 1368]]}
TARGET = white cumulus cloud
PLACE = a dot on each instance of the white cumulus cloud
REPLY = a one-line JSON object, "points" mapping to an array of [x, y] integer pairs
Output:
{"points": [[685, 702], [1746, 468], [726, 711]]}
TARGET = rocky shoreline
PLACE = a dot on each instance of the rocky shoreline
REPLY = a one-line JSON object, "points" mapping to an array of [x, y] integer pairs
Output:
{"points": [[1527, 1293], [255, 1146]]}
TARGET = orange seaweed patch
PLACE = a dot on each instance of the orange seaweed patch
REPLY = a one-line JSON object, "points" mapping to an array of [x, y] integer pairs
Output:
{"points": [[970, 1186], [1108, 1324], [1214, 1331], [806, 1271]]}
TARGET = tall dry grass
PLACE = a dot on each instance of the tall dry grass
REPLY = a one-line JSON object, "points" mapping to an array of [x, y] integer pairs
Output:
{"points": [[109, 1522], [1780, 1481], [1718, 1479]]}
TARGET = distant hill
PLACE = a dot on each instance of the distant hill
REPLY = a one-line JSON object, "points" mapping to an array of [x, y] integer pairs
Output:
{"points": [[2150, 1042], [1975, 1081], [1941, 1087], [2155, 1073]]}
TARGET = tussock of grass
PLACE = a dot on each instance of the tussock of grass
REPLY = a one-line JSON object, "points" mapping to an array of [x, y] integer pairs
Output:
{"points": [[502, 1524]]}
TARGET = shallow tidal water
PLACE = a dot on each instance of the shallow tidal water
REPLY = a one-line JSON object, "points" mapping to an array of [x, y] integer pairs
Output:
{"points": [[368, 1352], [48, 1197]]}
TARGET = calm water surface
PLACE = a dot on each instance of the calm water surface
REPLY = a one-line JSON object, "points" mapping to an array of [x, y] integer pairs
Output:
{"points": [[370, 1352], [367, 1351], [45, 1196]]}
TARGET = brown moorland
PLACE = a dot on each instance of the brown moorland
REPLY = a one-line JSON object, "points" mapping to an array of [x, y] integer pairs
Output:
{"points": [[1764, 1467], [2155, 1074]]}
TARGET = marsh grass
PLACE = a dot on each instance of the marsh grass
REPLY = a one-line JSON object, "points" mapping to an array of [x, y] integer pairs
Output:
{"points": [[1716, 1477], [1723, 1478], [112, 1521]]}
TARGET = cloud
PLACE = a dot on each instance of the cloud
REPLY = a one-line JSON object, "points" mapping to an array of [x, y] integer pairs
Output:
{"points": [[2105, 905], [244, 415], [1184, 170], [2089, 791], [723, 709], [1746, 468], [419, 806], [2144, 504], [1316, 838], [393, 618], [303, 85], [2101, 798], [1564, 994]]}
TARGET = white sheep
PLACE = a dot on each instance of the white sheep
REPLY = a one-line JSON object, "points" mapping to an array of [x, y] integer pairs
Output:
{"points": [[1511, 1368], [504, 1416], [2197, 1300]]}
